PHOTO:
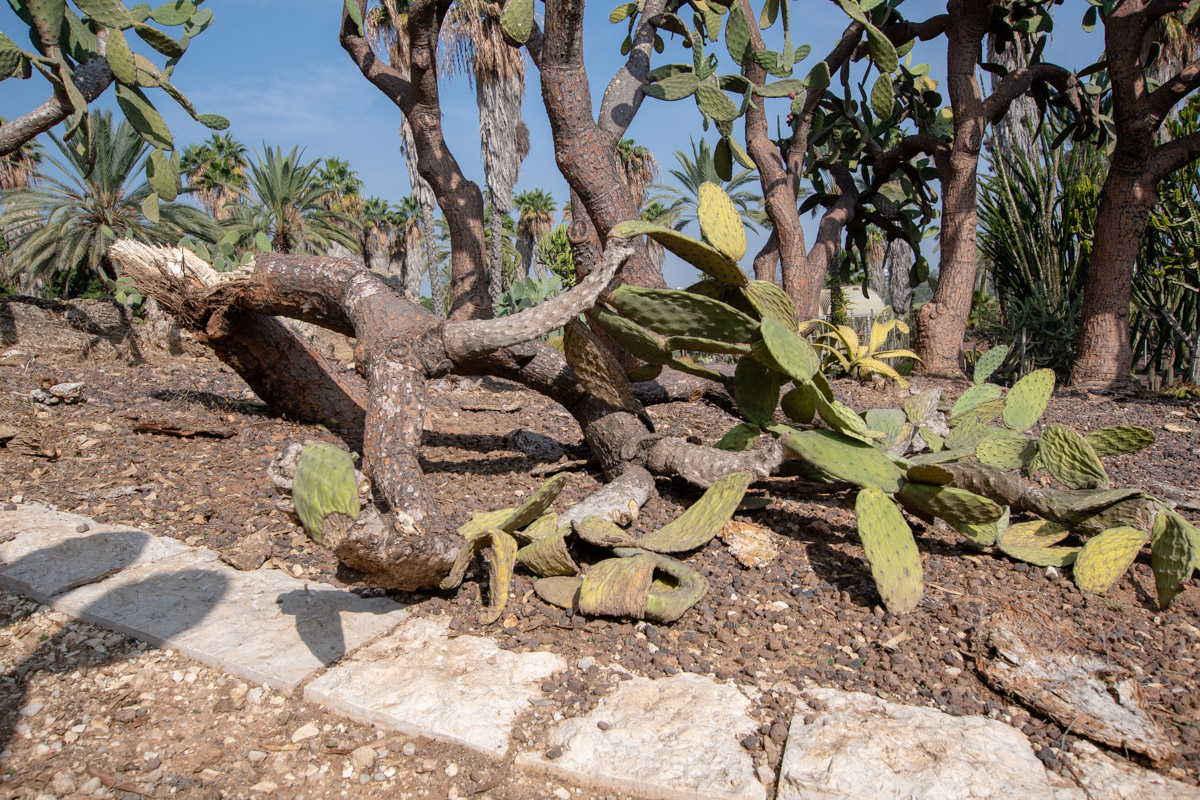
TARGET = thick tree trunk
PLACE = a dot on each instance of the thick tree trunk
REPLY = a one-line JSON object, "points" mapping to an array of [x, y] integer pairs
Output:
{"points": [[942, 323], [1102, 352]]}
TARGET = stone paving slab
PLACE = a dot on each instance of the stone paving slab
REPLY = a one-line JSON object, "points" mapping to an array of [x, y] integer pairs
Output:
{"points": [[859, 746], [263, 626], [422, 682], [47, 554], [673, 738]]}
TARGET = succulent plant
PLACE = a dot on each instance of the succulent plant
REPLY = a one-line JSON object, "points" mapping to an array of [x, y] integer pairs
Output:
{"points": [[325, 492], [842, 347]]}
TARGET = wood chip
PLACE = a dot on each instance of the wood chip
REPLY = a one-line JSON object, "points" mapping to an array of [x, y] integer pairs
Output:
{"points": [[184, 428], [507, 408]]}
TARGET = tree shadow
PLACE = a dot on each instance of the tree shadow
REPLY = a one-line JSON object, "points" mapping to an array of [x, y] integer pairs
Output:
{"points": [[89, 559], [318, 618]]}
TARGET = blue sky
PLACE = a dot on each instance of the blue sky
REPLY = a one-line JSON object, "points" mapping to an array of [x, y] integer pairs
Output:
{"points": [[275, 69]]}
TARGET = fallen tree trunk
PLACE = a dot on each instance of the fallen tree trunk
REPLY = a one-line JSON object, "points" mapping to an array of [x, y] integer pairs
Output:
{"points": [[401, 346]]}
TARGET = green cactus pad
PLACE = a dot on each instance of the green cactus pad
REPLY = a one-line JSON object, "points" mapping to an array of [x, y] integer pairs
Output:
{"points": [[940, 457], [674, 312], [543, 527], [500, 572], [675, 588], [597, 371], [976, 396], [892, 423], [890, 549], [617, 587], [720, 222], [1070, 459], [789, 350], [1042, 556], [548, 557], [956, 506], [643, 343], [707, 259], [324, 484], [771, 302], [700, 523], [1105, 557], [708, 287], [985, 413], [798, 405], [920, 407], [466, 555], [1035, 533], [559, 591], [932, 440], [1171, 556], [537, 504], [603, 533], [845, 458], [1091, 500], [1027, 399], [985, 534], [1005, 453], [988, 363], [1117, 440], [1137, 513], [479, 523], [756, 390], [931, 474], [967, 435], [743, 436], [707, 345], [822, 384], [646, 372], [842, 418]]}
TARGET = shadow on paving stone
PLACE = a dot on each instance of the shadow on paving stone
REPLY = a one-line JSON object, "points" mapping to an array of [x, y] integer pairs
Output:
{"points": [[47, 655], [70, 563], [319, 619]]}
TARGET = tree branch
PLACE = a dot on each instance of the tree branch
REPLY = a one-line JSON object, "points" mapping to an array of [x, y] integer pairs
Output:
{"points": [[1173, 155], [1017, 83], [91, 78], [1168, 95], [623, 95]]}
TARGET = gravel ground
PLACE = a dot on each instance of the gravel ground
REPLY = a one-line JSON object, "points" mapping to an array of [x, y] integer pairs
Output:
{"points": [[149, 719]]}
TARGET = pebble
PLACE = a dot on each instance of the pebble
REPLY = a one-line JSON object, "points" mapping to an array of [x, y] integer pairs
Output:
{"points": [[562, 794], [256, 756], [409, 749], [451, 770], [363, 757], [305, 732], [586, 663], [553, 753], [31, 709], [82, 527]]}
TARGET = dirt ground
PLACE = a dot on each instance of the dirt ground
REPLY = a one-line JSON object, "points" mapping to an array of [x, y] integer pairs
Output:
{"points": [[82, 709]]}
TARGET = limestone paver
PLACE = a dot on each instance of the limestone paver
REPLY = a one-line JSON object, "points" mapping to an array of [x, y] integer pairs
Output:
{"points": [[1103, 776], [263, 625], [674, 738], [47, 554], [857, 746], [421, 682]]}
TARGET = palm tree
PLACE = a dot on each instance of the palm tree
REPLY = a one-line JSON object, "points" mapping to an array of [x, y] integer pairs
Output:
{"points": [[639, 168], [18, 167], [408, 218], [344, 186], [216, 169], [698, 169], [536, 208], [386, 29], [473, 43], [377, 234], [96, 201], [287, 202]]}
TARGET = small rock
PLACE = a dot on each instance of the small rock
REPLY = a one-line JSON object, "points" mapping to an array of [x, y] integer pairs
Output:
{"points": [[409, 749], [90, 786], [586, 663], [307, 731], [766, 776], [427, 765], [62, 784], [362, 758], [562, 794], [603, 725], [451, 770], [250, 553], [31, 709], [554, 753], [82, 527], [256, 756], [67, 392]]}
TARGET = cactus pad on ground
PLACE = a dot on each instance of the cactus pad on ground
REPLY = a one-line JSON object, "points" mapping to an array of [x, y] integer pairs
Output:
{"points": [[1070, 459], [1105, 557], [1116, 440], [976, 396], [700, 523], [890, 549], [324, 485]]}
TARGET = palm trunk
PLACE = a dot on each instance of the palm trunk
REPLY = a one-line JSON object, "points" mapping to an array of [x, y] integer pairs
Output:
{"points": [[437, 290], [496, 256]]}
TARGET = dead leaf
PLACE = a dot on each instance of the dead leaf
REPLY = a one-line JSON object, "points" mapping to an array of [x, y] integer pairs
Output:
{"points": [[1176, 428]]}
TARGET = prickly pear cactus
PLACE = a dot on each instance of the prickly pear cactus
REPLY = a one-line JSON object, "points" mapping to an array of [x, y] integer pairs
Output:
{"points": [[1027, 399], [324, 485], [1070, 459], [976, 396], [1117, 440], [845, 458], [700, 523], [1006, 453], [1171, 556], [707, 259], [988, 363], [756, 390], [890, 549], [674, 312], [788, 351], [771, 302], [1105, 557], [720, 222], [596, 369]]}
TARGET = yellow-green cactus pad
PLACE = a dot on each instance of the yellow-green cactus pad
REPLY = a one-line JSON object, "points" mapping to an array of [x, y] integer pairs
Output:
{"points": [[707, 259], [890, 549], [597, 371], [929, 473], [720, 222], [920, 407], [789, 350], [603, 533], [1042, 556], [1171, 556], [1027, 399], [1006, 453], [986, 413], [700, 523], [988, 363], [956, 506], [1117, 440], [771, 302], [1105, 557], [798, 405], [548, 557], [324, 484], [756, 390], [537, 504], [976, 396], [500, 571], [481, 523], [1070, 459], [846, 458], [985, 534], [543, 527], [561, 591], [1036, 533], [674, 312], [617, 587]]}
